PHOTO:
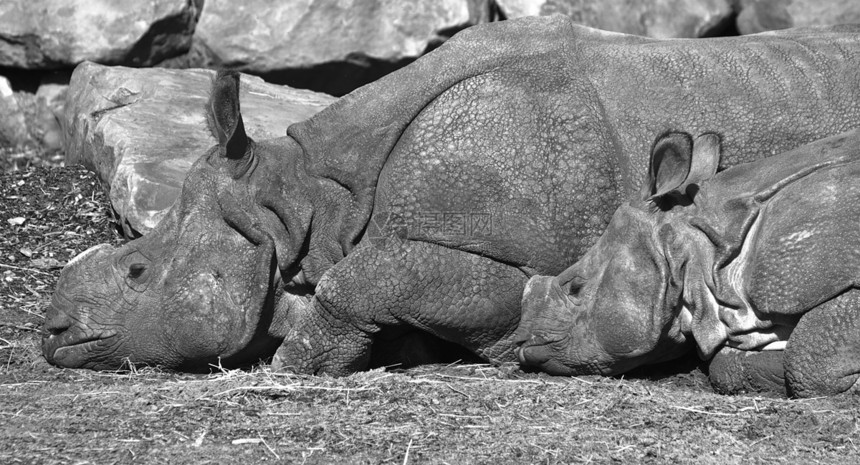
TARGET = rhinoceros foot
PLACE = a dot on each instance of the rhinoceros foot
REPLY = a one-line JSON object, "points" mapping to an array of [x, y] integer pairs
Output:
{"points": [[734, 371]]}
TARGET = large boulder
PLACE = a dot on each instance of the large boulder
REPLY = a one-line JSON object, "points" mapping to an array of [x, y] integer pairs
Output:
{"points": [[333, 46], [44, 34], [141, 130], [652, 18], [768, 15]]}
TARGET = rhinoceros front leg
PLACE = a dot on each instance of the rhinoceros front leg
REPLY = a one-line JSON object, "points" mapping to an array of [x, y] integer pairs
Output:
{"points": [[823, 353], [460, 297]]}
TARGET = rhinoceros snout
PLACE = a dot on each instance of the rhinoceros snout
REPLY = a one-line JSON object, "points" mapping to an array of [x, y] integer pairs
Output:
{"points": [[56, 321], [66, 339], [68, 334]]}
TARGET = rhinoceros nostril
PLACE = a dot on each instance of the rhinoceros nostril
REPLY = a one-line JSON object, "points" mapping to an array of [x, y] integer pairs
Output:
{"points": [[56, 331], [55, 328], [56, 321]]}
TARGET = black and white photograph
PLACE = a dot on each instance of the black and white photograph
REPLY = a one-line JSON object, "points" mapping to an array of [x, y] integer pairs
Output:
{"points": [[429, 232]]}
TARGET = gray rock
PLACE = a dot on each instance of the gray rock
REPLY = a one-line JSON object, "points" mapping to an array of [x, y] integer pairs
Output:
{"points": [[298, 41], [13, 124], [50, 102], [652, 18], [30, 120], [141, 129], [768, 15], [45, 34]]}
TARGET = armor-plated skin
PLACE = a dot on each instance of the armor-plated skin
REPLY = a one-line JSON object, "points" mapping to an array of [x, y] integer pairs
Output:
{"points": [[426, 200], [738, 263]]}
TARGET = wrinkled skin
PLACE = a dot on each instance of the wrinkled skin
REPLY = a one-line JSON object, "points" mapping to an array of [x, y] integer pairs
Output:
{"points": [[756, 267], [422, 203]]}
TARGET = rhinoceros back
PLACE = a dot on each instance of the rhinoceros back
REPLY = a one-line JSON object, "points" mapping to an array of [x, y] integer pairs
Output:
{"points": [[545, 127], [355, 138], [764, 93]]}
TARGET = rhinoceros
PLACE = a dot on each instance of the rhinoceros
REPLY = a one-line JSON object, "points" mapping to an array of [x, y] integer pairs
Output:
{"points": [[758, 266], [422, 203]]}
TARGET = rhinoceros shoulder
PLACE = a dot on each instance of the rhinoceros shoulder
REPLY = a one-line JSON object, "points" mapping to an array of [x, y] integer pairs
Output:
{"points": [[808, 248], [500, 164]]}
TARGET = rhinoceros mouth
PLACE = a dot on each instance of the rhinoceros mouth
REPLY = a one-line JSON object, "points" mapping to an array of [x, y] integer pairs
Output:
{"points": [[71, 350], [538, 349]]}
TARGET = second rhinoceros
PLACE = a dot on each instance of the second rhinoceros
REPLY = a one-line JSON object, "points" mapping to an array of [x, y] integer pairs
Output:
{"points": [[758, 267]]}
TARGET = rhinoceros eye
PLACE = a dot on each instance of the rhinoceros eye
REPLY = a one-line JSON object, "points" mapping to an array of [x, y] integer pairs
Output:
{"points": [[135, 266], [574, 285], [136, 270]]}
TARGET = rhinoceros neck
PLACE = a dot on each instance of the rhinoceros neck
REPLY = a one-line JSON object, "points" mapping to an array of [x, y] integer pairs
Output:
{"points": [[302, 213], [718, 309]]}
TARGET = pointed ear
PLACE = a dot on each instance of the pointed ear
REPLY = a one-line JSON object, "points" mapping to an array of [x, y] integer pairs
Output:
{"points": [[678, 162], [223, 116], [706, 158]]}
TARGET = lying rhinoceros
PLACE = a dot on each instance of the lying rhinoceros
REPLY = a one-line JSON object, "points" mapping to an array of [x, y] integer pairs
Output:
{"points": [[760, 260], [424, 202]]}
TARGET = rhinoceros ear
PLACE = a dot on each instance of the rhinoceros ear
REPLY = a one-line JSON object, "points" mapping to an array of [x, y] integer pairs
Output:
{"points": [[678, 162], [224, 118]]}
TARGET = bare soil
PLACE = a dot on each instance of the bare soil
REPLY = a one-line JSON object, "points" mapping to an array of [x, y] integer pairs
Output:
{"points": [[432, 414]]}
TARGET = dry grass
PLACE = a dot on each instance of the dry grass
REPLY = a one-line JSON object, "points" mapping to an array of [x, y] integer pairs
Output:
{"points": [[432, 414]]}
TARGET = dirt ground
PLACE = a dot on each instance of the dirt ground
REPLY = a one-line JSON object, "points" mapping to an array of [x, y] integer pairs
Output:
{"points": [[433, 414]]}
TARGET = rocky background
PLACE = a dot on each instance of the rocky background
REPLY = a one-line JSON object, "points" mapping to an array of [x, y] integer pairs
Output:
{"points": [[114, 84]]}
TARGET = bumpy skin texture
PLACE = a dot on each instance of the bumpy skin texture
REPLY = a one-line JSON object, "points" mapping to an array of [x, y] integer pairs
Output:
{"points": [[503, 153], [822, 355], [744, 263]]}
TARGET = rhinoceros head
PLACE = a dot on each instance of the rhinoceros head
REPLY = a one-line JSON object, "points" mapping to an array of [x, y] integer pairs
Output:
{"points": [[203, 283], [616, 308]]}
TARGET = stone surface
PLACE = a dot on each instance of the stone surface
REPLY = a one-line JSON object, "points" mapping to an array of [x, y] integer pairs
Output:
{"points": [[652, 18], [29, 120], [50, 102], [768, 15], [44, 34], [356, 41], [141, 129], [13, 124]]}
